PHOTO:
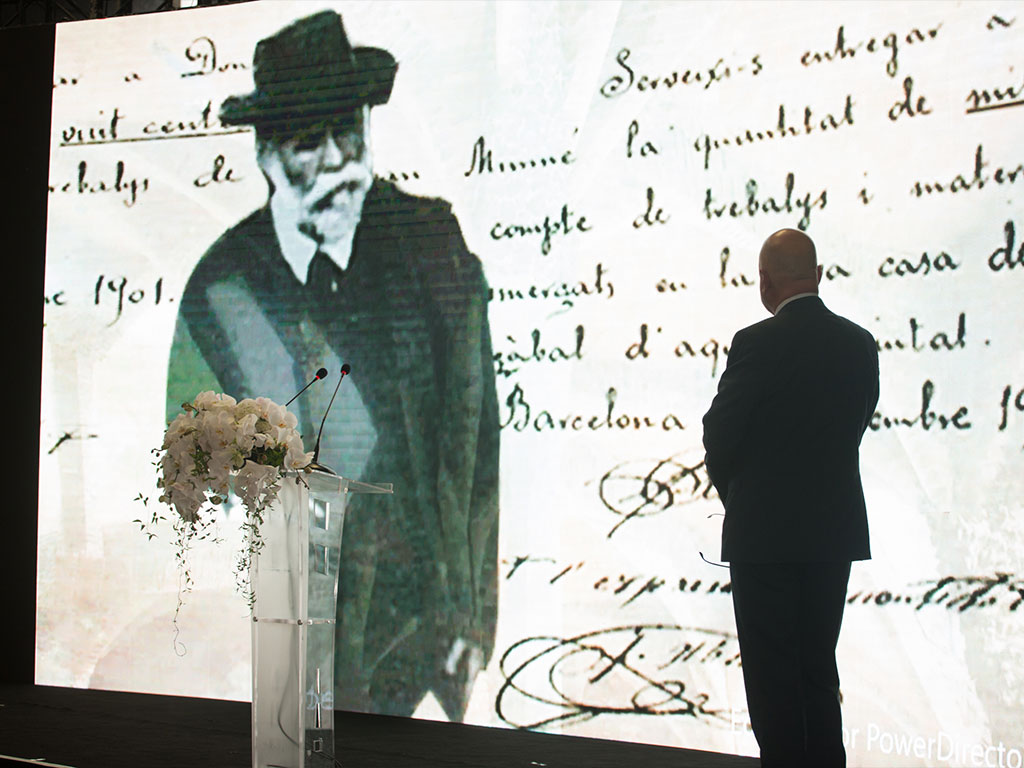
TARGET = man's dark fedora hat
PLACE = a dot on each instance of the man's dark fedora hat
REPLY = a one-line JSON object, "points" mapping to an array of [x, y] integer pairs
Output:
{"points": [[307, 73]]}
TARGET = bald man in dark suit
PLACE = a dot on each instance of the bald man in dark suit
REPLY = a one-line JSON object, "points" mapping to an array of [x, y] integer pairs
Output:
{"points": [[782, 438]]}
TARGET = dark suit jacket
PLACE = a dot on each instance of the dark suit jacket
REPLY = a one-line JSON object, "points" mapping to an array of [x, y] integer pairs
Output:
{"points": [[419, 568], [783, 435]]}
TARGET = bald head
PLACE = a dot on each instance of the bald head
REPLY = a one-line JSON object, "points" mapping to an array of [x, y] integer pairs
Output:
{"points": [[788, 265]]}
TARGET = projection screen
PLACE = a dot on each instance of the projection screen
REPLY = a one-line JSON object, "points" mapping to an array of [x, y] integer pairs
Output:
{"points": [[612, 169]]}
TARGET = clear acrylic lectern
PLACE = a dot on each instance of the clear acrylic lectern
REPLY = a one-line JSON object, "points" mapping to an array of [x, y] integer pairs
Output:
{"points": [[295, 581]]}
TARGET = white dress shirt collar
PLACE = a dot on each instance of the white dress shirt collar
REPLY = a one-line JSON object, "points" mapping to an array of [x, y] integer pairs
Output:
{"points": [[792, 298], [298, 248]]}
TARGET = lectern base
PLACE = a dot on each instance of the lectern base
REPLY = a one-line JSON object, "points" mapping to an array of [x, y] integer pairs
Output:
{"points": [[295, 579]]}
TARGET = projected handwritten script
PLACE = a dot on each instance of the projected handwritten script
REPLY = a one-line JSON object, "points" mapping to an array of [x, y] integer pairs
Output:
{"points": [[614, 168]]}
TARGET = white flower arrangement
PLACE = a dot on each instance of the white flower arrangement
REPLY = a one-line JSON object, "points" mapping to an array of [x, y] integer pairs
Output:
{"points": [[216, 446]]}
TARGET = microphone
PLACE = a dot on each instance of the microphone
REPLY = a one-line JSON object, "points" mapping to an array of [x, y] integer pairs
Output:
{"points": [[322, 373], [315, 464]]}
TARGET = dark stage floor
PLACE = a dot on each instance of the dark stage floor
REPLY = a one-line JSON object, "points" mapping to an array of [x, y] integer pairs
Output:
{"points": [[101, 729]]}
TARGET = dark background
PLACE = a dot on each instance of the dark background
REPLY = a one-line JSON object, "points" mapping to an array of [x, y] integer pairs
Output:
{"points": [[26, 85]]}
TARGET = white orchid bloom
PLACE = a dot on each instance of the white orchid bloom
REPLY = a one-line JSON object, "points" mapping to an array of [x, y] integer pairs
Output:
{"points": [[296, 458], [247, 407], [245, 432], [280, 417], [263, 404], [222, 462], [218, 430], [206, 401], [209, 450], [183, 423]]}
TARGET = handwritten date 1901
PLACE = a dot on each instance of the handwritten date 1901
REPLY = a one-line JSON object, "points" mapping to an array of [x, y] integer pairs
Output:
{"points": [[108, 288]]}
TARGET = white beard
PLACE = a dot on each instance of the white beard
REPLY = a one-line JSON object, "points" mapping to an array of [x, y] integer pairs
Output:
{"points": [[330, 211]]}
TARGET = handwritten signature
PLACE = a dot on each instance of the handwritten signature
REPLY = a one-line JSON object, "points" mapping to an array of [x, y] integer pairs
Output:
{"points": [[639, 488], [646, 669]]}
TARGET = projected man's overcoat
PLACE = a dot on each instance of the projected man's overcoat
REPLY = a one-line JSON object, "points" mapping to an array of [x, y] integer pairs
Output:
{"points": [[410, 315]]}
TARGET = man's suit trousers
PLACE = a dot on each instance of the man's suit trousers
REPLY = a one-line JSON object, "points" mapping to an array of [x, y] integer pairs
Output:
{"points": [[788, 617]]}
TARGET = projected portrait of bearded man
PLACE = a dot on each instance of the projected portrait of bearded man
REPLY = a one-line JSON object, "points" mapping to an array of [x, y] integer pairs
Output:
{"points": [[340, 266]]}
